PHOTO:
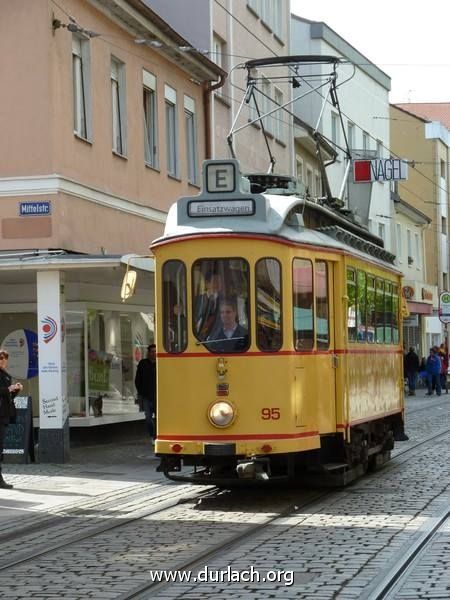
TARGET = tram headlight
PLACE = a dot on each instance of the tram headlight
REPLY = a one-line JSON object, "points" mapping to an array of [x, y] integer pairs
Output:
{"points": [[221, 414]]}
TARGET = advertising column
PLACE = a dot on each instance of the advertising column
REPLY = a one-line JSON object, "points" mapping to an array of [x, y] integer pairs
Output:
{"points": [[54, 442]]}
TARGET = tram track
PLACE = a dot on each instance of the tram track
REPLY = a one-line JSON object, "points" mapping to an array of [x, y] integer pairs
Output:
{"points": [[397, 572], [164, 503]]}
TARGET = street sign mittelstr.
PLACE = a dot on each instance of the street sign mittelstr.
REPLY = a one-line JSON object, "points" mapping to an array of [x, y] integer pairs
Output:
{"points": [[444, 307]]}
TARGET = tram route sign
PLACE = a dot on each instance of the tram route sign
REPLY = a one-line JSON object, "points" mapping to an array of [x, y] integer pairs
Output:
{"points": [[19, 438], [444, 307]]}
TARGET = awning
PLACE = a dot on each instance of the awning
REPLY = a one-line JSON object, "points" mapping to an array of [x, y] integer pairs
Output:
{"points": [[420, 308]]}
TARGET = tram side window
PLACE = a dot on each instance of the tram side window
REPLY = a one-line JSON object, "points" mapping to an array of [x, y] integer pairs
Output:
{"points": [[388, 313], [351, 310], [268, 304], [303, 301], [395, 307], [361, 307], [220, 290], [322, 305], [379, 311], [174, 306], [370, 309]]}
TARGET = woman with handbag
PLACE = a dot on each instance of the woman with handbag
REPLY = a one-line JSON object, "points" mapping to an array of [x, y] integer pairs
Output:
{"points": [[8, 391]]}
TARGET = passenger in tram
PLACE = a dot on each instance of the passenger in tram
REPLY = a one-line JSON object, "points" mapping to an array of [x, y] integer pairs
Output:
{"points": [[206, 307], [230, 336]]}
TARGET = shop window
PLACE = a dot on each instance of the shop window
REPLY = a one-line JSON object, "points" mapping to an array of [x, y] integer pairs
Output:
{"points": [[220, 304], [116, 343], [303, 302], [174, 307], [268, 304]]}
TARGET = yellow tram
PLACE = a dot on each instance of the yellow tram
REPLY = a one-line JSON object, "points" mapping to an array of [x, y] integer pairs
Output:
{"points": [[278, 336]]}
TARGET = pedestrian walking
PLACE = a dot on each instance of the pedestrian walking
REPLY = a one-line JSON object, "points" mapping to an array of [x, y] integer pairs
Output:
{"points": [[145, 382], [8, 391], [444, 367], [412, 365], [433, 372]]}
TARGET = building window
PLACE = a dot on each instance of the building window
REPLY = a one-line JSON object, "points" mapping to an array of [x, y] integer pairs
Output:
{"points": [[266, 105], [366, 141], [334, 129], [191, 139], [299, 167], [270, 12], [418, 257], [399, 242], [81, 87], [309, 181], [382, 231], [219, 56], [150, 119], [318, 180], [171, 131], [118, 106], [379, 149], [444, 225], [278, 116], [410, 248], [442, 169], [351, 135]]}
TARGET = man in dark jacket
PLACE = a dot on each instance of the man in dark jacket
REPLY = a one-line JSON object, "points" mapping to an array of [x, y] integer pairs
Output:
{"points": [[8, 390], [145, 382], [412, 365]]}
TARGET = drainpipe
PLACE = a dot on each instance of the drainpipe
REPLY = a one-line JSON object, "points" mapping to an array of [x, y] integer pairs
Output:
{"points": [[207, 94]]}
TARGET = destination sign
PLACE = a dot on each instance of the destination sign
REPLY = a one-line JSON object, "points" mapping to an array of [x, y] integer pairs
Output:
{"points": [[221, 208], [379, 169]]}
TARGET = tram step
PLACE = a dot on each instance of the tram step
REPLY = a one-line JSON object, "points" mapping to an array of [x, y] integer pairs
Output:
{"points": [[334, 466]]}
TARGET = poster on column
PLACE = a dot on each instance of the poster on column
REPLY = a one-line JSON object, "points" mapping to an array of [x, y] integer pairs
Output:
{"points": [[22, 346], [53, 409]]}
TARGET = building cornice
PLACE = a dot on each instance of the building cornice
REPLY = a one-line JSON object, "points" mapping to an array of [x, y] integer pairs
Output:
{"points": [[41, 185]]}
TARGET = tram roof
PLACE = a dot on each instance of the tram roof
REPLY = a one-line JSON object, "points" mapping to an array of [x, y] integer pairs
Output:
{"points": [[226, 205]]}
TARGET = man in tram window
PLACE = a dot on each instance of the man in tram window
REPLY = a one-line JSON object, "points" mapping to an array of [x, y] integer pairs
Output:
{"points": [[230, 336], [206, 309]]}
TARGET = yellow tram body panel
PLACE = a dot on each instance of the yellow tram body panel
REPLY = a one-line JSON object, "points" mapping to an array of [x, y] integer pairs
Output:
{"points": [[305, 394]]}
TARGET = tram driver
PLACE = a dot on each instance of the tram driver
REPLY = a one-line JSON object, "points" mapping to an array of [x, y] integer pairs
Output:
{"points": [[230, 336]]}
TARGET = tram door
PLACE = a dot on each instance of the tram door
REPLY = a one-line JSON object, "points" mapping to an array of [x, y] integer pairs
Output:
{"points": [[315, 369]]}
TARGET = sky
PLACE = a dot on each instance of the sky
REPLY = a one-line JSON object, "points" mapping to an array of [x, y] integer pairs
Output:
{"points": [[398, 37]]}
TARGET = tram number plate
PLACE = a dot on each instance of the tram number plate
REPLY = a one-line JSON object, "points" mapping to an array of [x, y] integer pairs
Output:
{"points": [[270, 413]]}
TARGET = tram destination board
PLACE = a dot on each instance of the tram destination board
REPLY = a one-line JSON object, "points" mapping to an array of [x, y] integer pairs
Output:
{"points": [[19, 439]]}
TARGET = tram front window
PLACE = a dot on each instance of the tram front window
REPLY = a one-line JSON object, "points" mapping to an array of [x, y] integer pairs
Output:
{"points": [[220, 304]]}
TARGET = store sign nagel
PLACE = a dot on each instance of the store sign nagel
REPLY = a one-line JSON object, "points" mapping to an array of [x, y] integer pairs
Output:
{"points": [[221, 208], [379, 169], [29, 209]]}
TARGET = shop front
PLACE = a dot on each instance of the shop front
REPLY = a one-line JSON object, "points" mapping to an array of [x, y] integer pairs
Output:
{"points": [[422, 306], [72, 343]]}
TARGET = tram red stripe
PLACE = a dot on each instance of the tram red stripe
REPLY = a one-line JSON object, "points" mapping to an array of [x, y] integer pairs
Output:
{"points": [[251, 436], [371, 351]]}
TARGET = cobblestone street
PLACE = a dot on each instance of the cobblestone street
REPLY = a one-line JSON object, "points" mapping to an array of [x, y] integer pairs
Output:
{"points": [[337, 548]]}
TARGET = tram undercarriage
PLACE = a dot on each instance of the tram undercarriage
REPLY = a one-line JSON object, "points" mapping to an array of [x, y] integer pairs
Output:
{"points": [[336, 463]]}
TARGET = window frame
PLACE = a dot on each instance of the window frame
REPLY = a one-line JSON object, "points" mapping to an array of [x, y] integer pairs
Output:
{"points": [[171, 121], [81, 87], [181, 293], [118, 107], [190, 121], [150, 108], [280, 276]]}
